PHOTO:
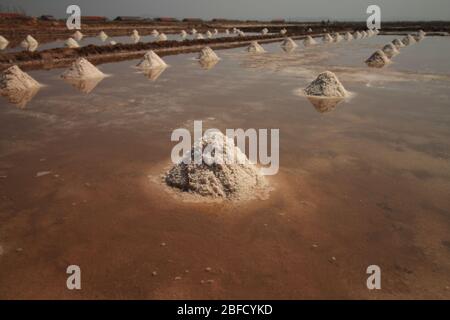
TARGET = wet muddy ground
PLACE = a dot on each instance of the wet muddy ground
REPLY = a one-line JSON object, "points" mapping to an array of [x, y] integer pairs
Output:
{"points": [[365, 182]]}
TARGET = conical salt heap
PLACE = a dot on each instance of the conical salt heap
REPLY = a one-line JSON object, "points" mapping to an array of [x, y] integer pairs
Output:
{"points": [[408, 40], [208, 34], [3, 40], [207, 54], [215, 32], [370, 33], [150, 61], [13, 81], [255, 47], [135, 37], [309, 30], [289, 43], [103, 36], [390, 50], [193, 31], [199, 36], [155, 33], [82, 69], [348, 36], [227, 31], [162, 37], [357, 35], [337, 37], [398, 43], [309, 41], [363, 34], [378, 59], [327, 38], [71, 43], [112, 42], [29, 43], [264, 31], [283, 32], [217, 178], [420, 36], [78, 35], [183, 34], [3, 43], [326, 85], [241, 33]]}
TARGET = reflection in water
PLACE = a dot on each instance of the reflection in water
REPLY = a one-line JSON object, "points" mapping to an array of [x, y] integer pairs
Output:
{"points": [[154, 73], [84, 85], [324, 105], [207, 64], [288, 49], [21, 98]]}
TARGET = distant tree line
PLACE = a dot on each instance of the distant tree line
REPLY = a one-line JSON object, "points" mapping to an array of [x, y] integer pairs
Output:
{"points": [[6, 8]]}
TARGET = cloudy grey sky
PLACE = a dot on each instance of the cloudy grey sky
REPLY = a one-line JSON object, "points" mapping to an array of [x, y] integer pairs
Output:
{"points": [[244, 9]]}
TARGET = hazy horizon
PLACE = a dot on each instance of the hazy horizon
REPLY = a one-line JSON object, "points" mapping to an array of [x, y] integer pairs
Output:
{"points": [[244, 9]]}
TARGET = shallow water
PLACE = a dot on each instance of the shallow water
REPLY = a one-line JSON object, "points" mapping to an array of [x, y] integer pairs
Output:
{"points": [[366, 182]]}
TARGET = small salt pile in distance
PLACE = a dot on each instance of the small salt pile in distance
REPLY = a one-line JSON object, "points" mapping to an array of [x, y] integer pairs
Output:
{"points": [[326, 85], [217, 179], [155, 33], [193, 31], [289, 43], [390, 50], [199, 36], [398, 43], [264, 31], [378, 59], [420, 36], [162, 37], [337, 37], [71, 43], [309, 41], [112, 42], [327, 38], [348, 36], [183, 34], [82, 69], [29, 43], [3, 43], [78, 35], [227, 31], [151, 61], [309, 30], [363, 35], [241, 33], [408, 40], [208, 34], [215, 32], [357, 35], [255, 47], [135, 37], [283, 31], [103, 36]]}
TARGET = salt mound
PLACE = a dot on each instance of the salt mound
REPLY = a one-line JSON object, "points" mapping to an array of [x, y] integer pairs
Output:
{"points": [[327, 38], [309, 41], [162, 37], [227, 31], [13, 80], [364, 34], [398, 43], [71, 43], [236, 181], [348, 36], [82, 69], [408, 40], [326, 85], [29, 43], [241, 33], [208, 34], [135, 32], [135, 37], [3, 43], [370, 33], [183, 34], [309, 30], [3, 40], [390, 50], [422, 33], [199, 36], [78, 35], [255, 47], [289, 43], [207, 54], [264, 31], [155, 33], [215, 31], [378, 59], [112, 42], [283, 32], [358, 35], [337, 37], [193, 31], [151, 60], [103, 36]]}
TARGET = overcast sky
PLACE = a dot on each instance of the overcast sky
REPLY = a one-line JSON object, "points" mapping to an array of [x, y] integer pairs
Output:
{"points": [[244, 9]]}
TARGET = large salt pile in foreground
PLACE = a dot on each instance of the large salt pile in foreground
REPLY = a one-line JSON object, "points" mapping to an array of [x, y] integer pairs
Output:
{"points": [[103, 36], [398, 43], [14, 80], [151, 60], [71, 43], [378, 59], [238, 180], [78, 35], [29, 43], [326, 85], [309, 41], [327, 38], [162, 37], [289, 43], [207, 54], [390, 50], [82, 69], [408, 40], [348, 36], [255, 47]]}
